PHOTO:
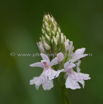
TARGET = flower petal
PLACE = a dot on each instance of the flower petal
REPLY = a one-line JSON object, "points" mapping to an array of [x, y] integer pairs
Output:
{"points": [[54, 61], [69, 65], [44, 80], [37, 64], [80, 77], [44, 57], [40, 46], [55, 74], [84, 76], [48, 84], [51, 74], [57, 59], [78, 64], [33, 80], [59, 71], [36, 81], [60, 56], [79, 53], [70, 83], [71, 46], [79, 57]]}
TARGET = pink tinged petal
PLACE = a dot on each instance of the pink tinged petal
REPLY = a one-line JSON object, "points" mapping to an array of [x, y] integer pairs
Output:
{"points": [[44, 57], [36, 81], [59, 71], [37, 87], [33, 80], [57, 59], [69, 65], [44, 80], [47, 72], [82, 82], [37, 64], [56, 73], [80, 77], [85, 76], [70, 46], [54, 61], [79, 57], [79, 53], [70, 83], [53, 74], [78, 64], [48, 84], [60, 56]]}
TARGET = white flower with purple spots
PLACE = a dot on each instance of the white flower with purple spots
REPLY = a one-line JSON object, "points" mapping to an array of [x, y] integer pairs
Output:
{"points": [[48, 73], [72, 77]]}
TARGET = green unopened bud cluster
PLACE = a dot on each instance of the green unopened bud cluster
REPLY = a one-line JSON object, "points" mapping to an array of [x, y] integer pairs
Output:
{"points": [[52, 39]]}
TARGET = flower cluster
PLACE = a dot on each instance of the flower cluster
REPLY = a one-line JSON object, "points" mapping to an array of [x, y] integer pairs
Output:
{"points": [[53, 41]]}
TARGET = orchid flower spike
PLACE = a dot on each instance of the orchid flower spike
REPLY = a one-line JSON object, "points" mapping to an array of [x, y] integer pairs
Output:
{"points": [[48, 73], [53, 41]]}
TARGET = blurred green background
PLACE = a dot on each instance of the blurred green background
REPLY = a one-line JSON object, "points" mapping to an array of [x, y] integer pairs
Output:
{"points": [[20, 28]]}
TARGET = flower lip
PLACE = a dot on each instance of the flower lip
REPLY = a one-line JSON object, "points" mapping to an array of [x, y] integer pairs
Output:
{"points": [[70, 70], [45, 64]]}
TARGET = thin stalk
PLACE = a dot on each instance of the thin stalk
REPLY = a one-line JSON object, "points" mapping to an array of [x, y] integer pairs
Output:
{"points": [[63, 91], [64, 95]]}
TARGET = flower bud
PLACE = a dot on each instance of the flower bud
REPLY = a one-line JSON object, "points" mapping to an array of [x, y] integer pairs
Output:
{"points": [[52, 19], [53, 32], [52, 41], [45, 18], [43, 31], [42, 38], [47, 37], [46, 46], [59, 30], [46, 24], [55, 28], [62, 38], [55, 41], [48, 29], [41, 48], [57, 36], [52, 38], [43, 25], [66, 44]]}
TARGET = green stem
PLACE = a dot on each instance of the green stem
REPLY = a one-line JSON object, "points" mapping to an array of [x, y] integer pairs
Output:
{"points": [[60, 81], [64, 95], [63, 91]]}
